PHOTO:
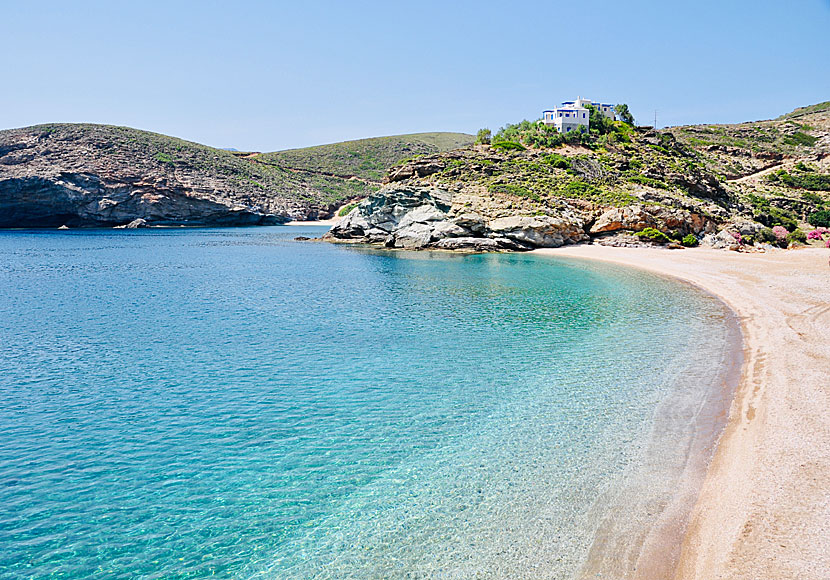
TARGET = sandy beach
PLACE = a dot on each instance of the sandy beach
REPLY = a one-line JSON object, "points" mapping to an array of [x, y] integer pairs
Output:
{"points": [[764, 507]]}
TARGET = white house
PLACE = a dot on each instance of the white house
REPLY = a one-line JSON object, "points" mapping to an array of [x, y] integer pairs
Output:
{"points": [[572, 115]]}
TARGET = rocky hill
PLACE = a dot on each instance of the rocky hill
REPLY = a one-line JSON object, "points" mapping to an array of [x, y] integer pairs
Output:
{"points": [[101, 175], [726, 185]]}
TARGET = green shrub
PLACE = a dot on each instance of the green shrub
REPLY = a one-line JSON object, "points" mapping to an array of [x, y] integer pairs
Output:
{"points": [[797, 237], [643, 180], [766, 235], [557, 161], [820, 218], [773, 216], [690, 241], [581, 189], [164, 158], [508, 146], [513, 189], [653, 235], [800, 138], [483, 136], [347, 208], [813, 198]]}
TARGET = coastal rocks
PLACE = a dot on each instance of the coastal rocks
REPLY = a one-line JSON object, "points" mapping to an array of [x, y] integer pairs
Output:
{"points": [[636, 218], [633, 218], [723, 240], [135, 224], [409, 217], [539, 231]]}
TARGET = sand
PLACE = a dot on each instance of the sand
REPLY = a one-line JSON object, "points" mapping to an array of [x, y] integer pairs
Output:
{"points": [[329, 222], [764, 507]]}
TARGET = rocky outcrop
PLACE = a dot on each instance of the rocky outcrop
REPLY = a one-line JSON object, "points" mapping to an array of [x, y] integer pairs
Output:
{"points": [[411, 217], [635, 218], [86, 200]]}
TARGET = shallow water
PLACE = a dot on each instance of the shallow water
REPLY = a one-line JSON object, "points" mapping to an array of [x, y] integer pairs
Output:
{"points": [[181, 404]]}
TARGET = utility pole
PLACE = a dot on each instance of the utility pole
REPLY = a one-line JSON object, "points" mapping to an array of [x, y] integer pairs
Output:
{"points": [[655, 119]]}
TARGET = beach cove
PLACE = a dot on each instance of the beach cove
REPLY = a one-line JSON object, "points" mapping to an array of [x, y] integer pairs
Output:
{"points": [[764, 508], [235, 403]]}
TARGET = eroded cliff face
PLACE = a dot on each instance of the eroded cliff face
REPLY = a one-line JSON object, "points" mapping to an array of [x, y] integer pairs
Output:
{"points": [[95, 175], [89, 200]]}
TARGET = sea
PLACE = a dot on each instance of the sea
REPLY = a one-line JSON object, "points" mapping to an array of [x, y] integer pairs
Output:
{"points": [[232, 403]]}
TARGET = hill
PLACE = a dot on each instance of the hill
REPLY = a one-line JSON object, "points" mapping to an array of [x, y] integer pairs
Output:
{"points": [[365, 158], [103, 175], [722, 184]]}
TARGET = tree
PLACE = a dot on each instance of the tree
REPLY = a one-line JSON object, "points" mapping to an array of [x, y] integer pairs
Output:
{"points": [[625, 115], [599, 122], [483, 137]]}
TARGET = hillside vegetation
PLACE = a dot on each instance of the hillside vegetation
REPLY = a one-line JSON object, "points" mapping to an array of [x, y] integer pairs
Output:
{"points": [[744, 179], [368, 159]]}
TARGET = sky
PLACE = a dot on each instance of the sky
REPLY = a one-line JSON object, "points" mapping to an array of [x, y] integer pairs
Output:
{"points": [[264, 76]]}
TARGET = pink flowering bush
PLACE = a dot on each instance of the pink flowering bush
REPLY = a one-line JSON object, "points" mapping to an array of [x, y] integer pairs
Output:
{"points": [[738, 237], [814, 235], [827, 243], [780, 232]]}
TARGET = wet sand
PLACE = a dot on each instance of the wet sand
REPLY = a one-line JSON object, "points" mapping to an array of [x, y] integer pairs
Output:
{"points": [[764, 507]]}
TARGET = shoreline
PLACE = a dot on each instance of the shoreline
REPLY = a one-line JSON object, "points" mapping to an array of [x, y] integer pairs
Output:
{"points": [[328, 222], [763, 509]]}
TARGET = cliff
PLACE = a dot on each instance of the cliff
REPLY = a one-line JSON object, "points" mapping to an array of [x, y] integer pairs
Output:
{"points": [[101, 175], [718, 183]]}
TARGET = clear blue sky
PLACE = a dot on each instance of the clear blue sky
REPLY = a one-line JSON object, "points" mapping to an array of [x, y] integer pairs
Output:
{"points": [[272, 75]]}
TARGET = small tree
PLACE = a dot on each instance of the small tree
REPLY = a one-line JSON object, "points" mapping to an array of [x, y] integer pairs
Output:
{"points": [[599, 123], [483, 137], [625, 115]]}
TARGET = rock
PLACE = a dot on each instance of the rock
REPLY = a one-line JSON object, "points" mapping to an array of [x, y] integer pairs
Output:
{"points": [[723, 240], [136, 223], [301, 239], [413, 218], [64, 227], [633, 218], [539, 231], [469, 243]]}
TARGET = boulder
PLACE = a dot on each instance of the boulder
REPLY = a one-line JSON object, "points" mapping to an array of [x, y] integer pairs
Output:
{"points": [[539, 231], [633, 218]]}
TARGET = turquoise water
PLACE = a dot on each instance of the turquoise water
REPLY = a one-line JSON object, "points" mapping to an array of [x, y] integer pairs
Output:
{"points": [[182, 404]]}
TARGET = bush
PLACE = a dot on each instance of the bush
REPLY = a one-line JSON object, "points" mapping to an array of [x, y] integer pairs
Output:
{"points": [[483, 136], [512, 189], [773, 216], [815, 235], [797, 237], [653, 235], [690, 241], [643, 180], [508, 146], [800, 138], [767, 235], [581, 189], [780, 233], [813, 181], [557, 161], [347, 208], [820, 218]]}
